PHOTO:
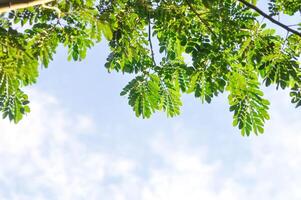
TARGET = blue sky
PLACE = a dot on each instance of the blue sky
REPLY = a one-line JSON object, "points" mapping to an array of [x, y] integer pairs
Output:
{"points": [[82, 141]]}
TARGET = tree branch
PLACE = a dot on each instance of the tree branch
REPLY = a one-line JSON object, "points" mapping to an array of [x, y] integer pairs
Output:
{"points": [[249, 5], [201, 19], [13, 5]]}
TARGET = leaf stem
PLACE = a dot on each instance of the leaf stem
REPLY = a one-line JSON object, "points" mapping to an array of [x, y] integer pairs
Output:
{"points": [[150, 40], [56, 9]]}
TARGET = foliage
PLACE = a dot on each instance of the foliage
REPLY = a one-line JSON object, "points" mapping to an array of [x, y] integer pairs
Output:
{"points": [[230, 51]]}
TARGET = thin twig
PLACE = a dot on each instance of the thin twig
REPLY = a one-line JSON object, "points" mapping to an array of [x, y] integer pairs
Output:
{"points": [[150, 40], [293, 25]]}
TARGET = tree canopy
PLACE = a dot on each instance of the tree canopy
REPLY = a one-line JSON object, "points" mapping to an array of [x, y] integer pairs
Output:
{"points": [[207, 47]]}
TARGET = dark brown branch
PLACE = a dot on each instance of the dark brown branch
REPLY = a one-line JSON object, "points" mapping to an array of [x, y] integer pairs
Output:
{"points": [[200, 18], [249, 5]]}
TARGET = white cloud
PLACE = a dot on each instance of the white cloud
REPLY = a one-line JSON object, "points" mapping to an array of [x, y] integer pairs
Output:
{"points": [[271, 169], [186, 172], [45, 157], [274, 165]]}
